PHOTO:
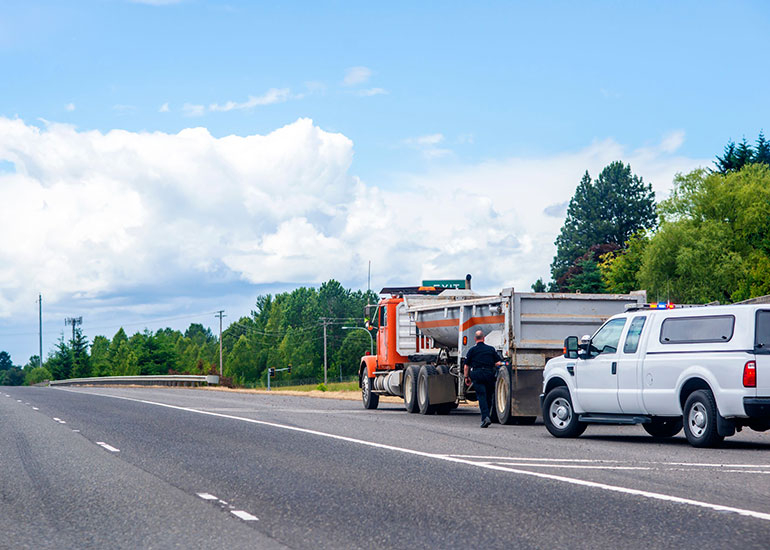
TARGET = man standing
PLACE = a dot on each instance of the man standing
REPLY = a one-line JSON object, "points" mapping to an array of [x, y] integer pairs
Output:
{"points": [[479, 367]]}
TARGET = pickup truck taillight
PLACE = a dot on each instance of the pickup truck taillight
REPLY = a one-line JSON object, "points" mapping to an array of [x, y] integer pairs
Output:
{"points": [[750, 374]]}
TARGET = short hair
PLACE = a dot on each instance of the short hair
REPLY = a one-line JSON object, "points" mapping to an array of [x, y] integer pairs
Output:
{"points": [[479, 336]]}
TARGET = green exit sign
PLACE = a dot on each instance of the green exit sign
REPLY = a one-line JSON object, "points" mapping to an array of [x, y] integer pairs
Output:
{"points": [[445, 283]]}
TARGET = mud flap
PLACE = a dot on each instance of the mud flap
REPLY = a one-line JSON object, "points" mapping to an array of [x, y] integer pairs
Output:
{"points": [[442, 389]]}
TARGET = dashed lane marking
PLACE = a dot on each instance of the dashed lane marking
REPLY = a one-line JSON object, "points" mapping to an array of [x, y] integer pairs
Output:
{"points": [[59, 420], [35, 409], [448, 458], [108, 447], [245, 516], [206, 496]]}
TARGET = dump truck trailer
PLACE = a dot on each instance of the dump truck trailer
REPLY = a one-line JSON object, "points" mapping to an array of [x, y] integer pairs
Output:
{"points": [[424, 333]]}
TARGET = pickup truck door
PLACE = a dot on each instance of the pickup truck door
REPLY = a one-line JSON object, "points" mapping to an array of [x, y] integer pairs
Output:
{"points": [[596, 379], [629, 367]]}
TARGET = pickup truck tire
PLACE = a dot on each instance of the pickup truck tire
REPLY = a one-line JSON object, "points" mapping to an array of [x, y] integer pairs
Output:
{"points": [[661, 428], [559, 417], [410, 389], [370, 399], [423, 396], [502, 398], [700, 419]]}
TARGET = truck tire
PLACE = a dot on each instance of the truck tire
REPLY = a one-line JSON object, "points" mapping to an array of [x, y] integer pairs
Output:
{"points": [[423, 395], [661, 427], [559, 417], [502, 397], [700, 419], [410, 389], [370, 399]]}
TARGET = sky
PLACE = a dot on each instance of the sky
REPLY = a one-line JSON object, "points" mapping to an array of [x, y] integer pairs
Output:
{"points": [[162, 160]]}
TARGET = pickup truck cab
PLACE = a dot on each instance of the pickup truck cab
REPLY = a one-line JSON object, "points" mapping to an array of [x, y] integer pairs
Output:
{"points": [[706, 368]]}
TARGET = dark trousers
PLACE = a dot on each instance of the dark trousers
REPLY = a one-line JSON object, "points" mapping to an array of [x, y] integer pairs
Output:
{"points": [[484, 382]]}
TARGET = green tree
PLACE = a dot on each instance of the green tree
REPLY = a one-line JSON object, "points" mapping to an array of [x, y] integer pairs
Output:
{"points": [[241, 362], [762, 150], [12, 377], [620, 269], [81, 364], [538, 286], [100, 357], [714, 239], [36, 375], [60, 361], [607, 211], [5, 361]]}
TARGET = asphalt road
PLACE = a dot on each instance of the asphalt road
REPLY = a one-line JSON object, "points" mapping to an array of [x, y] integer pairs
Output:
{"points": [[167, 468]]}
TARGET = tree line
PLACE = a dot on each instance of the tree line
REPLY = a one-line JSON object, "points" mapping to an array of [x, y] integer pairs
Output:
{"points": [[709, 241], [284, 329]]}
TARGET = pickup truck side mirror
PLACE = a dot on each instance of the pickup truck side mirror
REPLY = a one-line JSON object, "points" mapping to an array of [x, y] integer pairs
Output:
{"points": [[571, 347]]}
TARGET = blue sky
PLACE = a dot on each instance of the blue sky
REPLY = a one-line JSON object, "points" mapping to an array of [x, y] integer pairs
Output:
{"points": [[450, 113]]}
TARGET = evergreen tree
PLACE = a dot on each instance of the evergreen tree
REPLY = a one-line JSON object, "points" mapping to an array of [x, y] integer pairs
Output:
{"points": [[60, 361], [762, 150], [728, 161], [81, 364], [5, 361], [538, 286], [607, 211], [744, 154]]}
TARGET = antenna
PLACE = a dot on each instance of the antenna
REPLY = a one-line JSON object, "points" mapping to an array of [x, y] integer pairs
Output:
{"points": [[74, 321]]}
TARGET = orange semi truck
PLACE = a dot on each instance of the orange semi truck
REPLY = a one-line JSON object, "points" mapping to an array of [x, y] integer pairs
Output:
{"points": [[423, 334]]}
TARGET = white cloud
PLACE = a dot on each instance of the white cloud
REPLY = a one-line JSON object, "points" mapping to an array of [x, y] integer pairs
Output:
{"points": [[273, 95], [428, 145], [164, 108], [372, 92], [98, 215], [190, 109], [69, 107], [356, 75]]}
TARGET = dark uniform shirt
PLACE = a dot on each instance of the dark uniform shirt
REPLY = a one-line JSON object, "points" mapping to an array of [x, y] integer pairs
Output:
{"points": [[482, 356]]}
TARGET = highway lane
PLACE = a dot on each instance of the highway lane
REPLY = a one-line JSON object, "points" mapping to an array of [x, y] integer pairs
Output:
{"points": [[403, 481]]}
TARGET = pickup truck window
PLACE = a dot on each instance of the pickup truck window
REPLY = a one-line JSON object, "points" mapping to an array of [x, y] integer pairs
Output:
{"points": [[762, 335], [697, 330], [606, 340], [634, 331], [383, 316]]}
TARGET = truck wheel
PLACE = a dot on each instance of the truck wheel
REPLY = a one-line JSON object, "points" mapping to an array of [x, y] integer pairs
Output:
{"points": [[558, 415], [502, 398], [660, 427], [370, 399], [423, 397], [410, 389], [700, 419]]}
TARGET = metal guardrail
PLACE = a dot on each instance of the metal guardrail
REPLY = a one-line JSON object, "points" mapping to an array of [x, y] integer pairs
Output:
{"points": [[152, 380]]}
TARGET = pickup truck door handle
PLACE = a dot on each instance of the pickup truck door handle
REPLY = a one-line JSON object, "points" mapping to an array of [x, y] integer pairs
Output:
{"points": [[614, 367]]}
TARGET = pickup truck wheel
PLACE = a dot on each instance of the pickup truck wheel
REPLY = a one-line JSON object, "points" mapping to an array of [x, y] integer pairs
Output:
{"points": [[661, 428], [410, 389], [502, 398], [370, 400], [423, 397], [700, 419], [559, 417]]}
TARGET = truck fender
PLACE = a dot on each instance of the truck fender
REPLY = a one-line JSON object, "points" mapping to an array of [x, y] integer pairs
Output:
{"points": [[692, 379], [367, 368]]}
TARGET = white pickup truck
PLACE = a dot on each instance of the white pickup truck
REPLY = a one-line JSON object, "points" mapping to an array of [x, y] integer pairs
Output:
{"points": [[662, 366]]}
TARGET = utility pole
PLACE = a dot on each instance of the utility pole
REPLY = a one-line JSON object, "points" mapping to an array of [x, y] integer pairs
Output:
{"points": [[74, 321], [40, 320], [369, 278], [325, 321], [220, 314]]}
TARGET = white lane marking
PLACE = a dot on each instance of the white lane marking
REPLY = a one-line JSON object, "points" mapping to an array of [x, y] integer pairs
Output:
{"points": [[35, 409], [220, 501], [245, 516], [448, 458], [26, 403], [108, 447], [77, 431], [18, 400], [608, 461], [59, 420], [206, 496], [573, 466]]}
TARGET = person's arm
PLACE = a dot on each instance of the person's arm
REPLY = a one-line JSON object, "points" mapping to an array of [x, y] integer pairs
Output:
{"points": [[467, 368], [499, 359]]}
